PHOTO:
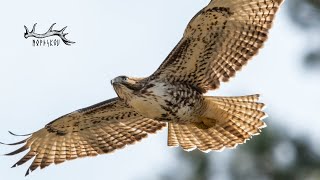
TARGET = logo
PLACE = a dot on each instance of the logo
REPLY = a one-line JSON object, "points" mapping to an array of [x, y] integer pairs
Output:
{"points": [[43, 39]]}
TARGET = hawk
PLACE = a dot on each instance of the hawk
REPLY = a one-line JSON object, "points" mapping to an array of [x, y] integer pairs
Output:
{"points": [[218, 42]]}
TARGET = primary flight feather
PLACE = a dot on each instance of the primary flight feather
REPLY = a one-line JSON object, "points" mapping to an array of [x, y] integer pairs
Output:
{"points": [[217, 42]]}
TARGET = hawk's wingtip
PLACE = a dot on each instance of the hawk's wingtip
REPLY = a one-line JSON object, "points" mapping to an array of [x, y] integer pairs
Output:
{"points": [[27, 173], [17, 143], [14, 134]]}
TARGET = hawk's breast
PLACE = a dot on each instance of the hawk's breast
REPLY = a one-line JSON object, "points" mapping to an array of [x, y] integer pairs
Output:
{"points": [[151, 100], [166, 102]]}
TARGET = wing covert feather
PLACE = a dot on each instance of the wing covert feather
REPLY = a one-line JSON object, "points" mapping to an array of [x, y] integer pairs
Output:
{"points": [[218, 42]]}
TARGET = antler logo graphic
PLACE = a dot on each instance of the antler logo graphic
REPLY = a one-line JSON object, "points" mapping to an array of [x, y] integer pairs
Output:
{"points": [[49, 33]]}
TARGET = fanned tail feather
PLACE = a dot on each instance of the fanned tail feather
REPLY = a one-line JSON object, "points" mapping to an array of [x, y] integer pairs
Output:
{"points": [[242, 119]]}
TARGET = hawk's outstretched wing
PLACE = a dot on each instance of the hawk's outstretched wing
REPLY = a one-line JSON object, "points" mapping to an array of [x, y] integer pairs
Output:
{"points": [[98, 129], [218, 41]]}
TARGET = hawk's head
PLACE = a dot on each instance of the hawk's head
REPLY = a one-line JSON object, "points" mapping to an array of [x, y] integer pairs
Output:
{"points": [[125, 86]]}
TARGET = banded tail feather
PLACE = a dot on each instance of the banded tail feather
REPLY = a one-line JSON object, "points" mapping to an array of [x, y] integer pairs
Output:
{"points": [[234, 120]]}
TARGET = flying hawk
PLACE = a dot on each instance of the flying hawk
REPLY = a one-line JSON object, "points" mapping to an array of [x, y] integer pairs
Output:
{"points": [[217, 42]]}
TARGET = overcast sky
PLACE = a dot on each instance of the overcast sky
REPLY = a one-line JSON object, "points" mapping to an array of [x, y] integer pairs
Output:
{"points": [[39, 84]]}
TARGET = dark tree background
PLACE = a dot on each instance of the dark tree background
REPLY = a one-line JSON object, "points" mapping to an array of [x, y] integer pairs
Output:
{"points": [[306, 15], [273, 154]]}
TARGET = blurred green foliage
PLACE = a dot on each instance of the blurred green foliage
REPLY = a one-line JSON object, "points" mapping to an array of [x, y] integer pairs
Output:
{"points": [[275, 155], [306, 15]]}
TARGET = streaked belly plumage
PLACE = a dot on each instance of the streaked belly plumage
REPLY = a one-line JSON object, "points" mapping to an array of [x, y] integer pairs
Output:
{"points": [[165, 102]]}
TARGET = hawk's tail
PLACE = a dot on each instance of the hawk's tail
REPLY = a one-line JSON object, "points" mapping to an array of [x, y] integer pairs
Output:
{"points": [[229, 121]]}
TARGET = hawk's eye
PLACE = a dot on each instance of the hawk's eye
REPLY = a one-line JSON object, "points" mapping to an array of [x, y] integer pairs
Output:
{"points": [[125, 78]]}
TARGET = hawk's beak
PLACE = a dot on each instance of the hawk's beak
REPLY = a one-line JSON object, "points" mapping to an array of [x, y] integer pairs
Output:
{"points": [[112, 82]]}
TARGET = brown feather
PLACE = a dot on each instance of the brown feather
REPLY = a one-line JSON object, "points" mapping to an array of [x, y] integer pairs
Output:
{"points": [[218, 42], [98, 129]]}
